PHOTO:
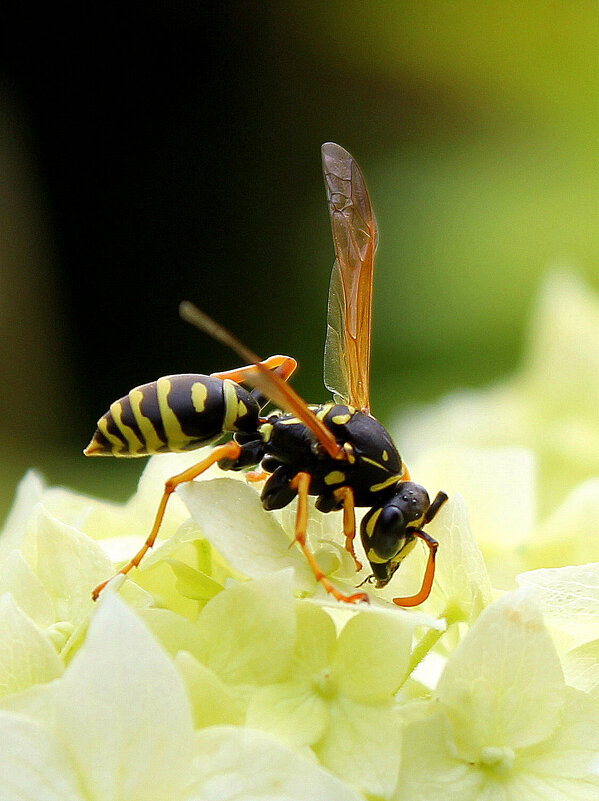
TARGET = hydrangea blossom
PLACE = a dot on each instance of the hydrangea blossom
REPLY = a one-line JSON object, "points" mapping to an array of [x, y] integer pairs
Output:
{"points": [[118, 725], [503, 724], [221, 670]]}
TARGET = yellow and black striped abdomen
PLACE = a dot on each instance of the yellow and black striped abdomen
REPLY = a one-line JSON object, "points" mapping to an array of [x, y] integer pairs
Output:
{"points": [[176, 413]]}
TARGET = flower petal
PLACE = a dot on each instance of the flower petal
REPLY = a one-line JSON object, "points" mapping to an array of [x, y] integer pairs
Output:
{"points": [[28, 591], [123, 710], [429, 769], [34, 765], [568, 598], [173, 631], [26, 656], [503, 685], [293, 712], [29, 492], [549, 407], [567, 758], [212, 702], [236, 764], [248, 631], [68, 563], [372, 656], [231, 517], [316, 638], [501, 510], [581, 668], [363, 744], [567, 537]]}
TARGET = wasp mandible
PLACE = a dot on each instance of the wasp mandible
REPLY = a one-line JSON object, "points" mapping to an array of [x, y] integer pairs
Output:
{"points": [[335, 451]]}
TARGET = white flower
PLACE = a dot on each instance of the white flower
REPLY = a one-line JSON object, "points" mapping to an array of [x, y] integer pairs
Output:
{"points": [[277, 664], [118, 727], [504, 726], [569, 600]]}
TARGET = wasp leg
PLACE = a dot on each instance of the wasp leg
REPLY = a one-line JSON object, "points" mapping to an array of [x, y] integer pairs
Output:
{"points": [[429, 573], [346, 494], [230, 450], [283, 365], [301, 483]]}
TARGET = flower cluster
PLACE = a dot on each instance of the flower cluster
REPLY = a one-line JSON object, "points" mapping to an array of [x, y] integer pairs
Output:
{"points": [[221, 670]]}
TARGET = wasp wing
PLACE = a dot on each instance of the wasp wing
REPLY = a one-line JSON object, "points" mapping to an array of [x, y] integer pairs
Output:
{"points": [[349, 321], [269, 383], [336, 374]]}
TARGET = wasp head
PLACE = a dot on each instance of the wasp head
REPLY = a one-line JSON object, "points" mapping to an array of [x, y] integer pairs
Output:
{"points": [[387, 530]]}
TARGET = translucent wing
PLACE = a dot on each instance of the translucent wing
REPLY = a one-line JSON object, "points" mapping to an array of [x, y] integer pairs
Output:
{"points": [[336, 375], [349, 321]]}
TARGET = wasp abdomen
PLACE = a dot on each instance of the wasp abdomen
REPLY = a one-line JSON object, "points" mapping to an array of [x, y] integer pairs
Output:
{"points": [[176, 413]]}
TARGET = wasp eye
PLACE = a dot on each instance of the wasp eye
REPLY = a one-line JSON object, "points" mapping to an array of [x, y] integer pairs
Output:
{"points": [[389, 532]]}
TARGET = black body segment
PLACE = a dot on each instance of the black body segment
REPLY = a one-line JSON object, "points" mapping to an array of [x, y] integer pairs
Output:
{"points": [[175, 413], [372, 467], [388, 531]]}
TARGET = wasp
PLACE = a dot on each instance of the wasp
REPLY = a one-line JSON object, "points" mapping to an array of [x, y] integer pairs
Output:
{"points": [[336, 451]]}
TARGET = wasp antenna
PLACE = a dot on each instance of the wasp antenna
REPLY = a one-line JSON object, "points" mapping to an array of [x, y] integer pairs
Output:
{"points": [[196, 317], [268, 382]]}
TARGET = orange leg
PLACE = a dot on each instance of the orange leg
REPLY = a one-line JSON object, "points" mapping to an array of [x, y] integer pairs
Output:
{"points": [[301, 482], [349, 522], [429, 574], [283, 365], [230, 450]]}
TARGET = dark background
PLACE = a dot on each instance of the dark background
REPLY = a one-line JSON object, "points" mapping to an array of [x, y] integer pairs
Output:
{"points": [[153, 152]]}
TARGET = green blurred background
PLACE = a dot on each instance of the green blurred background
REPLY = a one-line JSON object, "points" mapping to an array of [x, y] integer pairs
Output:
{"points": [[151, 152]]}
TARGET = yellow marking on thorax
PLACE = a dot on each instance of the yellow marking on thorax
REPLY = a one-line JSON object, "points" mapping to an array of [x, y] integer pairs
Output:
{"points": [[340, 419], [325, 410], [134, 445], [389, 482], [199, 395], [368, 460], [334, 477], [385, 456], [290, 421], [349, 450], [177, 438], [265, 431], [116, 442], [152, 440]]}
